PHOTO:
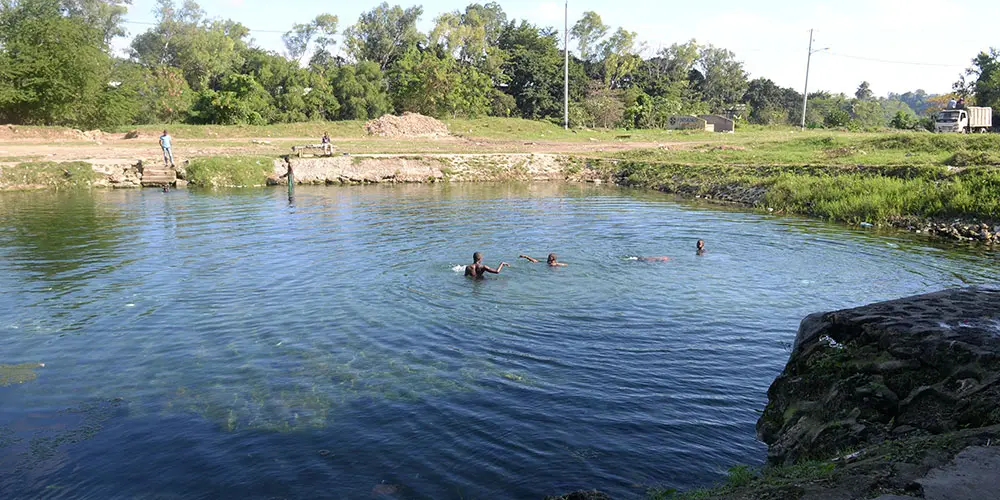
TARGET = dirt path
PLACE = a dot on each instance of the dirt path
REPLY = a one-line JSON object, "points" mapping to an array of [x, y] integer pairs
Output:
{"points": [[99, 148]]}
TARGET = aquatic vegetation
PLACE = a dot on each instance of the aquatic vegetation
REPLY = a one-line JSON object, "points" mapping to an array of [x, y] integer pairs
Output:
{"points": [[303, 388], [7, 437], [18, 374], [88, 420]]}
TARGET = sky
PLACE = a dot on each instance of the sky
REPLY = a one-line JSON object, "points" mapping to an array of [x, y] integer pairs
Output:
{"points": [[895, 45]]}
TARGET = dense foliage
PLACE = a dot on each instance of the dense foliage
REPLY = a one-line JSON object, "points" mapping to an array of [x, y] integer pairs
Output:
{"points": [[57, 68]]}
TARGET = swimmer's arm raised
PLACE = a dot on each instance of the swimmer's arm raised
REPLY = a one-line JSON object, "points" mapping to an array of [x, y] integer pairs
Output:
{"points": [[535, 261], [497, 270]]}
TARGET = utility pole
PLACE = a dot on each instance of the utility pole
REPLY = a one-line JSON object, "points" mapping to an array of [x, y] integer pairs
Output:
{"points": [[566, 68], [805, 92]]}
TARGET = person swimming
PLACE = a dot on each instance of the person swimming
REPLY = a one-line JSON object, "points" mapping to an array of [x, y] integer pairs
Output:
{"points": [[478, 270], [551, 260], [653, 259], [701, 247]]}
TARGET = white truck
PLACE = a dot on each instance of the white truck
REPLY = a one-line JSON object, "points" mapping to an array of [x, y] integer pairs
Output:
{"points": [[964, 120]]}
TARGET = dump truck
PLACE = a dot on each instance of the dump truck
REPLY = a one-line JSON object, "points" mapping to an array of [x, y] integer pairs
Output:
{"points": [[964, 120]]}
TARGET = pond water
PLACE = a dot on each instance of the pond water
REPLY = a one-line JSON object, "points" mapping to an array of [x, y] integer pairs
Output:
{"points": [[227, 343]]}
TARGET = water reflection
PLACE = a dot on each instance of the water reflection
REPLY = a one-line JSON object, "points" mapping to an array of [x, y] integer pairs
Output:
{"points": [[52, 235]]}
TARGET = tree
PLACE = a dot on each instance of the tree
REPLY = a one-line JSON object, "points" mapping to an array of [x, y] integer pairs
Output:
{"points": [[323, 29], [904, 121], [864, 92], [620, 56], [471, 38], [588, 32], [383, 34], [360, 90], [667, 74], [53, 67], [982, 80], [837, 118], [437, 85], [534, 70], [164, 96], [103, 15], [723, 81], [203, 50], [766, 102], [240, 100]]}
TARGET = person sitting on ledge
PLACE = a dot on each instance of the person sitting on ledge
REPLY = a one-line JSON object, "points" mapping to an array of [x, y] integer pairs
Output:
{"points": [[327, 146], [551, 261], [478, 270]]}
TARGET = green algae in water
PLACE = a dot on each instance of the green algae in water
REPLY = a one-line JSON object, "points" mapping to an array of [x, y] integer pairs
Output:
{"points": [[18, 374], [312, 385], [44, 444]]}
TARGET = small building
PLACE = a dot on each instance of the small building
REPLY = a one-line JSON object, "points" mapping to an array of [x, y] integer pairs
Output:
{"points": [[684, 122], [721, 123]]}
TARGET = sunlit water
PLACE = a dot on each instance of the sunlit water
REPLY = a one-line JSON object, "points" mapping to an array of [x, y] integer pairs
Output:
{"points": [[329, 349]]}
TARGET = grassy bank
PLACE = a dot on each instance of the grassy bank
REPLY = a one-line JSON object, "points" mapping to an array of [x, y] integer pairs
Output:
{"points": [[876, 179], [230, 171], [48, 175]]}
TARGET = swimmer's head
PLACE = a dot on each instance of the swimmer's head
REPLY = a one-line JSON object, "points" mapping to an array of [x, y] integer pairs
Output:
{"points": [[552, 258], [701, 244], [477, 257]]}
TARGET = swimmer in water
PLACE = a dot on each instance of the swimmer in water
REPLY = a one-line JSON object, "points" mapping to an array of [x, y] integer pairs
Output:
{"points": [[653, 259], [478, 270], [701, 247], [551, 261]]}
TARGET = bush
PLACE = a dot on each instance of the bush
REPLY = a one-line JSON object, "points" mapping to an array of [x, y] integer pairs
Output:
{"points": [[904, 121], [837, 118]]}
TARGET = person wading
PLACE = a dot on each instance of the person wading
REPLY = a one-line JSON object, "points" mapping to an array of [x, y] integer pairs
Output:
{"points": [[478, 270]]}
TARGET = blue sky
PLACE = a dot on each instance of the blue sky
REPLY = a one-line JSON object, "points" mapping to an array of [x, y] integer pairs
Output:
{"points": [[770, 37]]}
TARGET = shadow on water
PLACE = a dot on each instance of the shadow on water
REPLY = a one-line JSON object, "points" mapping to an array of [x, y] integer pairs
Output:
{"points": [[53, 235]]}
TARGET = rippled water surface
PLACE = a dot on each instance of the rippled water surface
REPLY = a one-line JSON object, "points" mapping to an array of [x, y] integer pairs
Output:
{"points": [[205, 344]]}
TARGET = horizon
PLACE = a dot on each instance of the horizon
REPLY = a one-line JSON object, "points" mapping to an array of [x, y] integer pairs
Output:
{"points": [[771, 39]]}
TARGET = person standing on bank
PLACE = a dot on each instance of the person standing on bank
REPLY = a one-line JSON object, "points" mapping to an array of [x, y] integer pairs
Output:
{"points": [[168, 155]]}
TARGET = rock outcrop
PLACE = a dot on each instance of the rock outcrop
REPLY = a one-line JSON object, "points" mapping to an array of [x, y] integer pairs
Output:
{"points": [[919, 366], [118, 175], [423, 168]]}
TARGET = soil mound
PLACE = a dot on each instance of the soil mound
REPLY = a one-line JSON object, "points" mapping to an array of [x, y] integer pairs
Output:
{"points": [[407, 125]]}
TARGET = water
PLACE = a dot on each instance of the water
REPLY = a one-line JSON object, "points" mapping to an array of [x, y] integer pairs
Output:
{"points": [[206, 344]]}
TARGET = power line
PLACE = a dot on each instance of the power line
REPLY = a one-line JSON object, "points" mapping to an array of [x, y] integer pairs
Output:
{"points": [[145, 23]]}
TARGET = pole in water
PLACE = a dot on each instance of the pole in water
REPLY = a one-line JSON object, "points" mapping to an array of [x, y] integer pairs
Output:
{"points": [[291, 183]]}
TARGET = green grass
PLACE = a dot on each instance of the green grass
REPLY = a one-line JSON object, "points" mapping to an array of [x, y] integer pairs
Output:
{"points": [[230, 171], [29, 175], [800, 176]]}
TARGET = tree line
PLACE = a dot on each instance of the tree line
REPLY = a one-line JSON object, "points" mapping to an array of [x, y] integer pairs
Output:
{"points": [[57, 67]]}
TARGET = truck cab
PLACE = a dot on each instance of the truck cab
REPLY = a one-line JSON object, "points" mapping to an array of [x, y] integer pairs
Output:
{"points": [[951, 120]]}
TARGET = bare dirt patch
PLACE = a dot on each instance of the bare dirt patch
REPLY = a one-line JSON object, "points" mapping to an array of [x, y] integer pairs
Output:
{"points": [[407, 125]]}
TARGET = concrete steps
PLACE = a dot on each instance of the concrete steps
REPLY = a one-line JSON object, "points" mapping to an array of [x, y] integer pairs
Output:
{"points": [[158, 177]]}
